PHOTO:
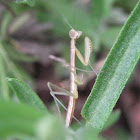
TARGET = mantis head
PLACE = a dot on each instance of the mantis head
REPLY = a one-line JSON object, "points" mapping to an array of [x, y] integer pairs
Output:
{"points": [[74, 34]]}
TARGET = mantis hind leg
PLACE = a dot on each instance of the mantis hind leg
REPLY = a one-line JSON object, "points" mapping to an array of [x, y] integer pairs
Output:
{"points": [[62, 91], [57, 101]]}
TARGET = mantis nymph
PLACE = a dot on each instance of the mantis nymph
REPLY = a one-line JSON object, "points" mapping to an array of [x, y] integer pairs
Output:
{"points": [[74, 80]]}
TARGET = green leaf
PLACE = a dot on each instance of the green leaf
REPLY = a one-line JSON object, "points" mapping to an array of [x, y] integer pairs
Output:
{"points": [[29, 2], [26, 95], [17, 119], [113, 77], [113, 118]]}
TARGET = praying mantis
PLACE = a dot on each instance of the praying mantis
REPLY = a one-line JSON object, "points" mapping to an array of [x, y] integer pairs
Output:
{"points": [[74, 79]]}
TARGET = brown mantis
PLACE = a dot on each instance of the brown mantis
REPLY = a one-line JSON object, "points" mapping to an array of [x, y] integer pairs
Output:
{"points": [[74, 79]]}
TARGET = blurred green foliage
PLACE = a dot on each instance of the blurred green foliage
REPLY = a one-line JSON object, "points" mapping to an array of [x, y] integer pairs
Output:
{"points": [[20, 120], [109, 37], [10, 56]]}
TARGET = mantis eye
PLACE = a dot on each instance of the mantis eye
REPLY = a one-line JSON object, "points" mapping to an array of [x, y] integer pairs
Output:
{"points": [[74, 34]]}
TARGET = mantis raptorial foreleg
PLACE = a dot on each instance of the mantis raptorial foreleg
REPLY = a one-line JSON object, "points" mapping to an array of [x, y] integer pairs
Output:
{"points": [[88, 49]]}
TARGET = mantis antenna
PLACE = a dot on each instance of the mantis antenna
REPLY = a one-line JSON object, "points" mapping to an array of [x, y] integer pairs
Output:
{"points": [[67, 22]]}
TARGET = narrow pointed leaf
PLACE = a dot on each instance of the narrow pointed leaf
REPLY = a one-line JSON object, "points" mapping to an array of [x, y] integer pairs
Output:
{"points": [[117, 69], [26, 95]]}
